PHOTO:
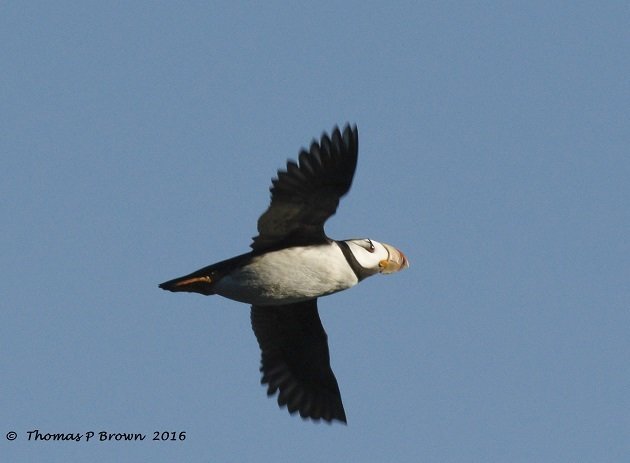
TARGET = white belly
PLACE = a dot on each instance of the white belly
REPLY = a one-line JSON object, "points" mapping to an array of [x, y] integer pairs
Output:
{"points": [[289, 275]]}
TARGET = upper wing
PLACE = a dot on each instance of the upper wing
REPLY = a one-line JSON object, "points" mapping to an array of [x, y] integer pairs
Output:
{"points": [[305, 195], [295, 360]]}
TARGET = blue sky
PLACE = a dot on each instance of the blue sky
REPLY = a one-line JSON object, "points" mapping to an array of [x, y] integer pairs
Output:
{"points": [[138, 141]]}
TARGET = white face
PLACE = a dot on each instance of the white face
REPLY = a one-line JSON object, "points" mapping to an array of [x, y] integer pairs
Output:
{"points": [[379, 257], [368, 252]]}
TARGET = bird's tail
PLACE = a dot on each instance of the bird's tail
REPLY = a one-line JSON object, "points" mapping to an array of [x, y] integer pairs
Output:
{"points": [[203, 280], [192, 283]]}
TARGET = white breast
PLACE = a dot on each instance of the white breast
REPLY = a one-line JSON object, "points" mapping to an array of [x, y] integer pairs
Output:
{"points": [[289, 275]]}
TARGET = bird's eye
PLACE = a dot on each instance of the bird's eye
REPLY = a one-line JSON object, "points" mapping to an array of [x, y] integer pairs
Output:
{"points": [[370, 245]]}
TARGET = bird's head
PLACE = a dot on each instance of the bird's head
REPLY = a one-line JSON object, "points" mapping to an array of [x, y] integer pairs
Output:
{"points": [[377, 257]]}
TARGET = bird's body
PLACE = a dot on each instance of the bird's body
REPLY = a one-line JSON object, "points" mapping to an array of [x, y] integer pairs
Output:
{"points": [[289, 275], [292, 264]]}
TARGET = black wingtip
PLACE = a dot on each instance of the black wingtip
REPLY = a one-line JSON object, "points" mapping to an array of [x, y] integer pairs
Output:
{"points": [[341, 419], [349, 135]]}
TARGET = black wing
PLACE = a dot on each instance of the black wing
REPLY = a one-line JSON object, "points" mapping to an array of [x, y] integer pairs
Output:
{"points": [[295, 360], [305, 195]]}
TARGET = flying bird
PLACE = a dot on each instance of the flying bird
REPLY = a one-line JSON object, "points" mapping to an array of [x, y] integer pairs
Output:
{"points": [[292, 263]]}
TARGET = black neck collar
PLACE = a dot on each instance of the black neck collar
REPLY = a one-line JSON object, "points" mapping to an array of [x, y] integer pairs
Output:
{"points": [[360, 271]]}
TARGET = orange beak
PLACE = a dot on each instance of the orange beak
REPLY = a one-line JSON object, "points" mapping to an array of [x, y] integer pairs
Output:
{"points": [[395, 261]]}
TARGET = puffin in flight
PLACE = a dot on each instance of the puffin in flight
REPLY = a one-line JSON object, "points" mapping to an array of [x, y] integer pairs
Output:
{"points": [[291, 264]]}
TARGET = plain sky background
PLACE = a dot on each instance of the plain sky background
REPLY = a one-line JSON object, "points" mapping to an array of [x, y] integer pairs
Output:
{"points": [[137, 144]]}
